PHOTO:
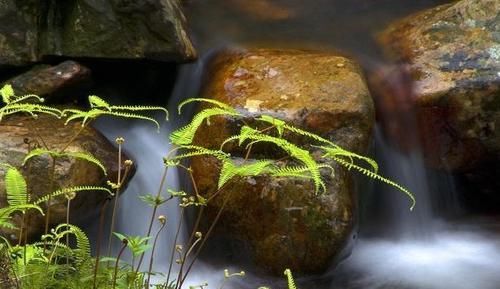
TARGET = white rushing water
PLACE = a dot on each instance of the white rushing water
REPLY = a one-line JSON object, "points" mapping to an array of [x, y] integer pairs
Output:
{"points": [[419, 249]]}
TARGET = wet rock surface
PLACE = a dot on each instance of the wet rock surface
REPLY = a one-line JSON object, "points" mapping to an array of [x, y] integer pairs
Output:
{"points": [[31, 30], [281, 220], [16, 130], [453, 55], [47, 81]]}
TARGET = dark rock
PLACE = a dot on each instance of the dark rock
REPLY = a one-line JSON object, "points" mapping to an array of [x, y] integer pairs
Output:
{"points": [[453, 53], [15, 130], [284, 222], [143, 29], [49, 80]]}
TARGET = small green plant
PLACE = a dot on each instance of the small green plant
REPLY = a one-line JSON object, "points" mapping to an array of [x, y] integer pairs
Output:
{"points": [[55, 262]]}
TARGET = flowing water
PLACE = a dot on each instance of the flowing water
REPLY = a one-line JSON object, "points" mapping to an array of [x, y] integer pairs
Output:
{"points": [[435, 247]]}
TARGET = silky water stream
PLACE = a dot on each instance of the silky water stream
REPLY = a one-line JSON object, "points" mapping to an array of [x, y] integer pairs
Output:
{"points": [[437, 246]]}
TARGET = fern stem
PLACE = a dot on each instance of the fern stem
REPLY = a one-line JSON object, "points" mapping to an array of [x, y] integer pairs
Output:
{"points": [[155, 209], [115, 203], [177, 233], [153, 253], [197, 253], [124, 246], [51, 188], [73, 138], [99, 240], [67, 222]]}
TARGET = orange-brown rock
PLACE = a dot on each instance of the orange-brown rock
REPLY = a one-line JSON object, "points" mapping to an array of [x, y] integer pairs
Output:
{"points": [[284, 222], [16, 131], [453, 53]]}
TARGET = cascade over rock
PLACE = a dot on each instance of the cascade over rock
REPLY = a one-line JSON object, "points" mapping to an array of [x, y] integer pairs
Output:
{"points": [[16, 130], [141, 29], [281, 220], [453, 55]]}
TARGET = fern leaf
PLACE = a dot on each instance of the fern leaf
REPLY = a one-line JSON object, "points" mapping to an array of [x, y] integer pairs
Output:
{"points": [[7, 92], [97, 102], [208, 100], [65, 191], [230, 170], [82, 251], [140, 108], [36, 153], [185, 135], [289, 279], [338, 151], [16, 188], [26, 97], [86, 156], [192, 151], [136, 116], [5, 213], [378, 177], [248, 133]]}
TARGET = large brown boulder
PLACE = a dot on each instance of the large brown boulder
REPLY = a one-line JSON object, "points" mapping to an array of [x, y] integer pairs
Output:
{"points": [[16, 131], [31, 30], [453, 55], [282, 220]]}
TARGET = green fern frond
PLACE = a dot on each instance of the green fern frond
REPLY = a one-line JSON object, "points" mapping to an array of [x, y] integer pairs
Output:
{"points": [[7, 92], [340, 152], [376, 176], [140, 108], [99, 107], [211, 101], [65, 191], [86, 156], [82, 251], [27, 97], [135, 116], [289, 278], [16, 188], [7, 211], [192, 150], [230, 170], [248, 133], [185, 135], [30, 108], [97, 102]]}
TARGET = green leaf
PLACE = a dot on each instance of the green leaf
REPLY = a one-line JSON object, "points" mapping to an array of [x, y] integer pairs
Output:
{"points": [[7, 92], [75, 189], [16, 188], [97, 102]]}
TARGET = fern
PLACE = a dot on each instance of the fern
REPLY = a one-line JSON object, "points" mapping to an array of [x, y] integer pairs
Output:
{"points": [[185, 135], [211, 101], [248, 133], [86, 156], [376, 176], [191, 151], [99, 107], [7, 93], [230, 170], [289, 279], [16, 188], [32, 109], [82, 251], [6, 212], [340, 152], [65, 191]]}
